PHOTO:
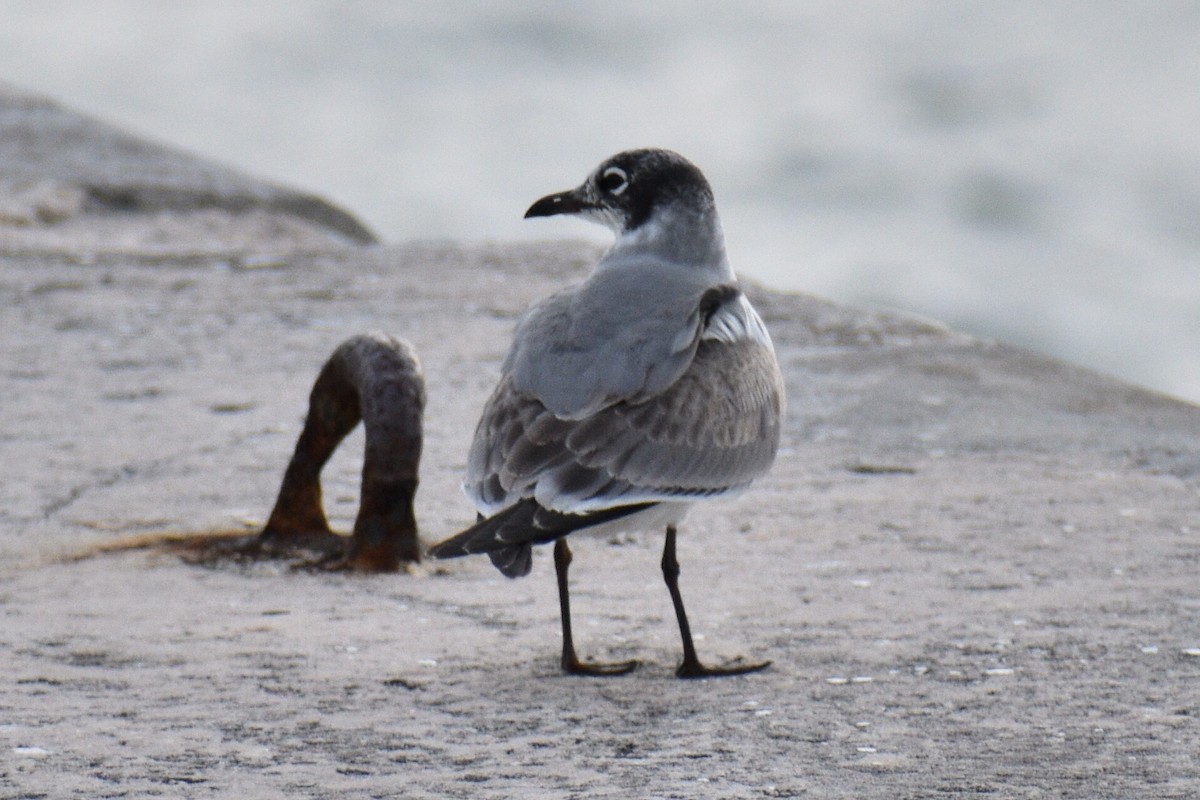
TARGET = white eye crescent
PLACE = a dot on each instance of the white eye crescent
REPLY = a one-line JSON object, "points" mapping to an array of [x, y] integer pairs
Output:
{"points": [[614, 180]]}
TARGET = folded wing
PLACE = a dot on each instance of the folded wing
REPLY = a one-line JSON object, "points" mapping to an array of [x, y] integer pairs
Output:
{"points": [[711, 431]]}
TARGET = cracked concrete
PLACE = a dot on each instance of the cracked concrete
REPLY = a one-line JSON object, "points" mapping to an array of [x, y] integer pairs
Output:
{"points": [[974, 568]]}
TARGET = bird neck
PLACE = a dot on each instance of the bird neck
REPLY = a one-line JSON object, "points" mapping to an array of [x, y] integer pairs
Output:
{"points": [[684, 236]]}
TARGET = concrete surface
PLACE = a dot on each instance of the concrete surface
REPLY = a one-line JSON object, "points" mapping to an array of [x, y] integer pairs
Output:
{"points": [[975, 569]]}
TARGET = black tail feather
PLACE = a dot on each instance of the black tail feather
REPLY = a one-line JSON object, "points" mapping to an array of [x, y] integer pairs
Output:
{"points": [[508, 535], [515, 561]]}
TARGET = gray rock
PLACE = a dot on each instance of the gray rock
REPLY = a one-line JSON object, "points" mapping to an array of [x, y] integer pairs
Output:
{"points": [[58, 166]]}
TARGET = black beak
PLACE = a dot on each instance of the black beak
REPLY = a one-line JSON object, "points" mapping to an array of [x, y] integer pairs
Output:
{"points": [[569, 202]]}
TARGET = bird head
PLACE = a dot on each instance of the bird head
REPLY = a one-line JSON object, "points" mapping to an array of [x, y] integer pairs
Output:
{"points": [[631, 189]]}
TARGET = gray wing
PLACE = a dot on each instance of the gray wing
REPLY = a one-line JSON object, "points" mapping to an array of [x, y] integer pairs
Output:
{"points": [[627, 332], [713, 430]]}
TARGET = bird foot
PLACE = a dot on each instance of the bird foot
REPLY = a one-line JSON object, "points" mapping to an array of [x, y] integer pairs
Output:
{"points": [[692, 668], [573, 666]]}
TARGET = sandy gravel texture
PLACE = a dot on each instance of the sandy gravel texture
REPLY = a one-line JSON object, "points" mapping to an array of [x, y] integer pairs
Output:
{"points": [[975, 569]]}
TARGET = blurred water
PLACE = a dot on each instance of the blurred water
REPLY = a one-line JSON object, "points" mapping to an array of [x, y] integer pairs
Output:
{"points": [[1023, 170]]}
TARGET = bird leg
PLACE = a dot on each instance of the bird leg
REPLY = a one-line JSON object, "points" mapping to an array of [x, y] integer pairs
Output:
{"points": [[691, 666], [570, 661]]}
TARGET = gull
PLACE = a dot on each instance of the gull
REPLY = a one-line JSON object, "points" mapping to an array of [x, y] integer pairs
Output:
{"points": [[648, 387]]}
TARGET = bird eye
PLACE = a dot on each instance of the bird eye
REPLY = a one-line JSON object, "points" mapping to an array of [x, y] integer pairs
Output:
{"points": [[614, 180]]}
